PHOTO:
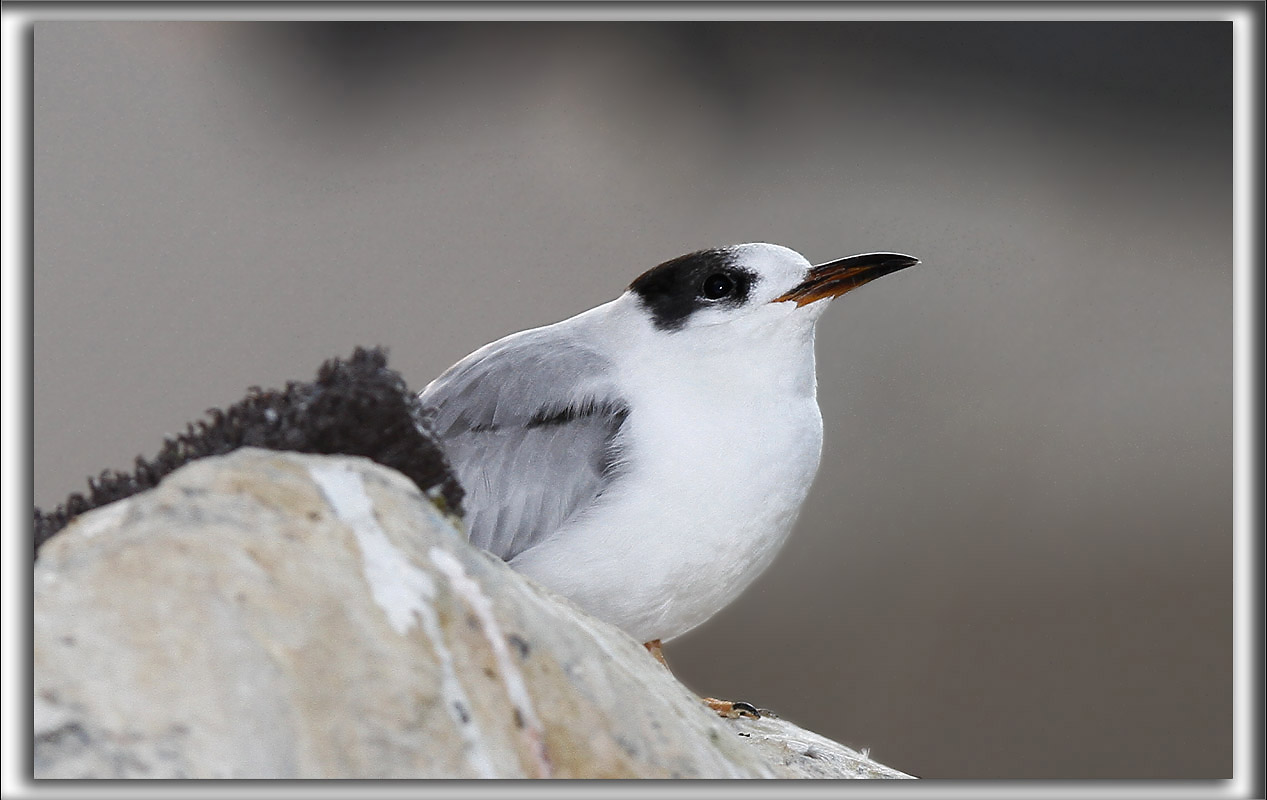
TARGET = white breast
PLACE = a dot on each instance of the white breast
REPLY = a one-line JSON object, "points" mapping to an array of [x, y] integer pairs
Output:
{"points": [[722, 442]]}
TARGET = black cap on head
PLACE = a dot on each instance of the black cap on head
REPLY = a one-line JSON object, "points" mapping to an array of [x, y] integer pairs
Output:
{"points": [[674, 290]]}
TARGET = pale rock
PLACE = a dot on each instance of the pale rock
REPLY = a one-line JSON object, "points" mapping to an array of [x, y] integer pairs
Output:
{"points": [[270, 614]]}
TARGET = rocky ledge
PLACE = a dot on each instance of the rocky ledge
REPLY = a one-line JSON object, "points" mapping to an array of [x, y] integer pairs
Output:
{"points": [[269, 614]]}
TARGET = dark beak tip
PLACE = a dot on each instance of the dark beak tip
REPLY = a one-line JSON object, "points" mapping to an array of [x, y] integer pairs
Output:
{"points": [[882, 261], [835, 278]]}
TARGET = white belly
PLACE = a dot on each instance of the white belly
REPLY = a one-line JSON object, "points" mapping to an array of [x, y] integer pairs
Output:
{"points": [[712, 488]]}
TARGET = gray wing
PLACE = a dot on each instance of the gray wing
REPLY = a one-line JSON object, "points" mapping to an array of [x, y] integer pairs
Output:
{"points": [[531, 425]]}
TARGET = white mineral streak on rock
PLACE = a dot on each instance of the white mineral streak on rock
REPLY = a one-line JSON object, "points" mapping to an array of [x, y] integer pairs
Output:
{"points": [[402, 590], [397, 586], [516, 689], [456, 701]]}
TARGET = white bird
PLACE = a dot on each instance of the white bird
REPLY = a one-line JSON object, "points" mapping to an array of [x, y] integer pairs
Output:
{"points": [[648, 457]]}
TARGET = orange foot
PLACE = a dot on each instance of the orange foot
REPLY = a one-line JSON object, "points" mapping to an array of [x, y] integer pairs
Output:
{"points": [[726, 708], [732, 709]]}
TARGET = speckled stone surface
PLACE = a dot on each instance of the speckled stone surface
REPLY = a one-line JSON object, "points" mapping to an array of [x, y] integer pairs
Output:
{"points": [[271, 614]]}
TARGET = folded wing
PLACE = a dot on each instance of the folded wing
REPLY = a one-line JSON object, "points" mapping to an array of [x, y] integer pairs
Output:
{"points": [[532, 425]]}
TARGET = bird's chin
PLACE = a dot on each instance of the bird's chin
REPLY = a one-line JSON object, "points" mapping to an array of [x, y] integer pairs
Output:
{"points": [[807, 314], [817, 307]]}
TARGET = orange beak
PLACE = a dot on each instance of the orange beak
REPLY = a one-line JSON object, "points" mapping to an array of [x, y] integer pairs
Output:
{"points": [[835, 278]]}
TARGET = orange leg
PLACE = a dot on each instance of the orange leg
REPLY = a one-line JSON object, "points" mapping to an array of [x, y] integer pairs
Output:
{"points": [[653, 647], [725, 708]]}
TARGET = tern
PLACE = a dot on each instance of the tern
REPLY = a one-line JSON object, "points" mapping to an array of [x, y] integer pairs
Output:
{"points": [[647, 458]]}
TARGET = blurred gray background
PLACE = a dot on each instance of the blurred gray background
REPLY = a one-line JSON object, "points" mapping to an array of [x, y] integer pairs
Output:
{"points": [[1016, 560]]}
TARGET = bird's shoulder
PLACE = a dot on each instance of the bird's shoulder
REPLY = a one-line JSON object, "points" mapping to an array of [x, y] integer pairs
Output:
{"points": [[538, 376]]}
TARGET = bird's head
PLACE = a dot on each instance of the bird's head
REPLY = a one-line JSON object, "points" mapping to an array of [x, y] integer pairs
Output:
{"points": [[754, 282]]}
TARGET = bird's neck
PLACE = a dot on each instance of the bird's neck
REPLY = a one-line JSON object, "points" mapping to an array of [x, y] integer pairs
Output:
{"points": [[748, 368]]}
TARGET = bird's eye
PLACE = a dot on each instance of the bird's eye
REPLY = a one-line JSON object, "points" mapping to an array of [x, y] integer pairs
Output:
{"points": [[718, 285]]}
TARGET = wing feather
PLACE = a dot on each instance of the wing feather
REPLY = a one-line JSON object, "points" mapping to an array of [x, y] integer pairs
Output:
{"points": [[531, 424]]}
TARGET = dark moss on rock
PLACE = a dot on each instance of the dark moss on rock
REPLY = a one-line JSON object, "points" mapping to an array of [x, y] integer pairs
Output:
{"points": [[355, 407]]}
